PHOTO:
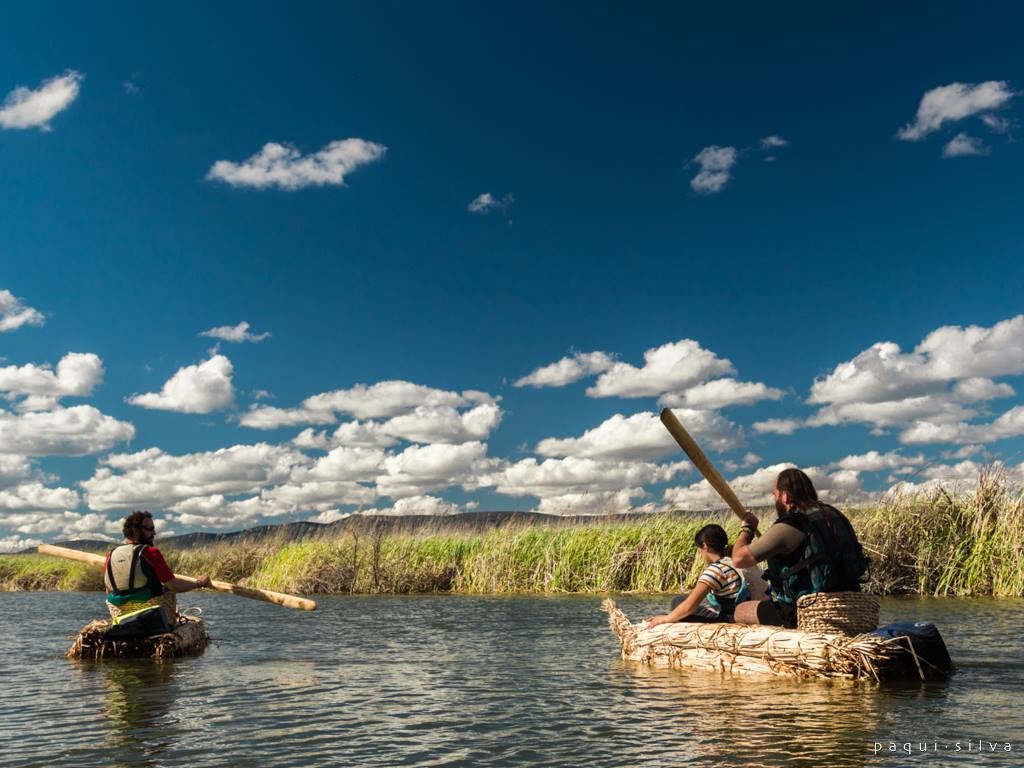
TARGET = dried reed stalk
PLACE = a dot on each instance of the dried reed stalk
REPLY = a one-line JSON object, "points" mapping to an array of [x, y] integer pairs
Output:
{"points": [[752, 649], [188, 638]]}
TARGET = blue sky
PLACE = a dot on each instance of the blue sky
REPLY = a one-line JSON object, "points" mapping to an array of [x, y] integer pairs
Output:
{"points": [[454, 198]]}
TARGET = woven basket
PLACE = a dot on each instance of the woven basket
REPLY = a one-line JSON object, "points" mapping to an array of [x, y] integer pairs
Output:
{"points": [[847, 613]]}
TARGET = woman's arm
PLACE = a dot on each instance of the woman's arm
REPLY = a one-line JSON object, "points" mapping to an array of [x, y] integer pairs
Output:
{"points": [[684, 609]]}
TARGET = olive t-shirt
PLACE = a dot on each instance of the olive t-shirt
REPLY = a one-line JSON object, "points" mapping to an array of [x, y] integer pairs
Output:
{"points": [[780, 539]]}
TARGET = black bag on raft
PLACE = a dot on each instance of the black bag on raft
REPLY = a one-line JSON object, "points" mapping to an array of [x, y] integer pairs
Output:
{"points": [[140, 624], [932, 656]]}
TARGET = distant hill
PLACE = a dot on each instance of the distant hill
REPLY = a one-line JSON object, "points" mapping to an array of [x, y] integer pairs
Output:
{"points": [[466, 522]]}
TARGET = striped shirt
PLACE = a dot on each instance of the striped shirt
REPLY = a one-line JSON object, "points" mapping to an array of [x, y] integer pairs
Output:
{"points": [[722, 578]]}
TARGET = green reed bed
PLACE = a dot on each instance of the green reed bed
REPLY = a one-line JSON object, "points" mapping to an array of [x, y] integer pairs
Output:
{"points": [[948, 541], [37, 572]]}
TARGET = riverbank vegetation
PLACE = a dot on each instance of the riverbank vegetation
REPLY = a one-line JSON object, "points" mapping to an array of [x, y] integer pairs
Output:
{"points": [[938, 542]]}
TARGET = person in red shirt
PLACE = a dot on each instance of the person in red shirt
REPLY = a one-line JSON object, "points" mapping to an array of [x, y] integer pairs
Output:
{"points": [[135, 573]]}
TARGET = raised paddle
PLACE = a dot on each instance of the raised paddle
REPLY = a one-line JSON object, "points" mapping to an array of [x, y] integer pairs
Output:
{"points": [[701, 462], [278, 598]]}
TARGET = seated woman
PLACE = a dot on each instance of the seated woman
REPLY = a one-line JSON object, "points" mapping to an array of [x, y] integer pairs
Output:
{"points": [[720, 586]]}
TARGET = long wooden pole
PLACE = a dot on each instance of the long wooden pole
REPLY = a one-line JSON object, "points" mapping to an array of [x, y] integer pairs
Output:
{"points": [[267, 596], [701, 462]]}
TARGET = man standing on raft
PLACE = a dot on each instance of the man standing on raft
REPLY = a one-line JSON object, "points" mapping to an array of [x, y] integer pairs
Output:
{"points": [[810, 548], [136, 575]]}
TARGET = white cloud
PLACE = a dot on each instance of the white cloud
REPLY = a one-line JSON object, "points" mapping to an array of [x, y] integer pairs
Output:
{"points": [[14, 469], [954, 102], [556, 477], [594, 503], [284, 167], [642, 437], [1009, 424], [76, 431], [152, 478], [423, 505], [410, 412], [27, 108], [773, 142], [420, 469], [668, 368], [721, 393], [567, 370], [963, 145], [929, 389], [14, 313], [777, 426], [486, 202], [715, 166], [755, 489], [443, 424], [235, 333], [77, 375], [997, 124], [201, 388], [9, 544], [35, 496], [873, 461], [269, 417]]}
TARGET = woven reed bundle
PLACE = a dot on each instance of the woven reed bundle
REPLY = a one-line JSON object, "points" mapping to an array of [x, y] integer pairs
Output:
{"points": [[845, 613], [188, 638], [751, 649]]}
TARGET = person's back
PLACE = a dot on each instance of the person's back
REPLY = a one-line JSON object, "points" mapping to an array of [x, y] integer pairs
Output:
{"points": [[810, 548]]}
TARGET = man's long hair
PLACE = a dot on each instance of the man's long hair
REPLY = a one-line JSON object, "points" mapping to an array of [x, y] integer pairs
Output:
{"points": [[799, 488], [133, 523]]}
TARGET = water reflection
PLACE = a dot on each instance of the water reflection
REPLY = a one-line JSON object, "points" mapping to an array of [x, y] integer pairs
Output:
{"points": [[138, 699]]}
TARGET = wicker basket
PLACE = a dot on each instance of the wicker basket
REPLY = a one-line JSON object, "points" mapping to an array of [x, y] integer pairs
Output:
{"points": [[847, 613]]}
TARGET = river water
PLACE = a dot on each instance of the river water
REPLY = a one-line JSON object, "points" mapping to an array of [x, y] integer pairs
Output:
{"points": [[482, 681]]}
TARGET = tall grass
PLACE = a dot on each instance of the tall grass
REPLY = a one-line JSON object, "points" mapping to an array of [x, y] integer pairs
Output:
{"points": [[957, 542]]}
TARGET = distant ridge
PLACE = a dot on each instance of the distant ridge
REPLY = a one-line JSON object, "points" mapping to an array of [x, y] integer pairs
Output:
{"points": [[475, 522]]}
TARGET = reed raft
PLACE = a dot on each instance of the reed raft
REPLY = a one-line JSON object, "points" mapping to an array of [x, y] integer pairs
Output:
{"points": [[755, 650], [189, 638]]}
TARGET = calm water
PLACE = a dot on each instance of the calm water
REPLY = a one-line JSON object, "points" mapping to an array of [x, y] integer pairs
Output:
{"points": [[444, 680]]}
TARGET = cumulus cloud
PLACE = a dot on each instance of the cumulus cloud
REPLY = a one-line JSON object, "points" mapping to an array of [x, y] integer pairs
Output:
{"points": [[1009, 424], [386, 399], [777, 426], [755, 489], [14, 313], [77, 374], [486, 203], [154, 479], [873, 461], [28, 108], [9, 544], [642, 437], [954, 102], [997, 124], [963, 145], [36, 496], [567, 370], [670, 367], [773, 142], [76, 431], [715, 169], [235, 333], [423, 468], [722, 393], [422, 505], [557, 477], [201, 388], [284, 167], [931, 389]]}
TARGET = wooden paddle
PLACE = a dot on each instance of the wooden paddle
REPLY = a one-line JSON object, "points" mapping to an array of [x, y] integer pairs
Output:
{"points": [[278, 598], [701, 462]]}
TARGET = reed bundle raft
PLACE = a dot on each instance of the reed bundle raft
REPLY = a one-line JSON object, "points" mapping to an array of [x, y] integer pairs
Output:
{"points": [[189, 638], [758, 650]]}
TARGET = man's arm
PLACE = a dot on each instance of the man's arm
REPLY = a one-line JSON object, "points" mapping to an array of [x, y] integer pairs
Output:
{"points": [[780, 539], [166, 576]]}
